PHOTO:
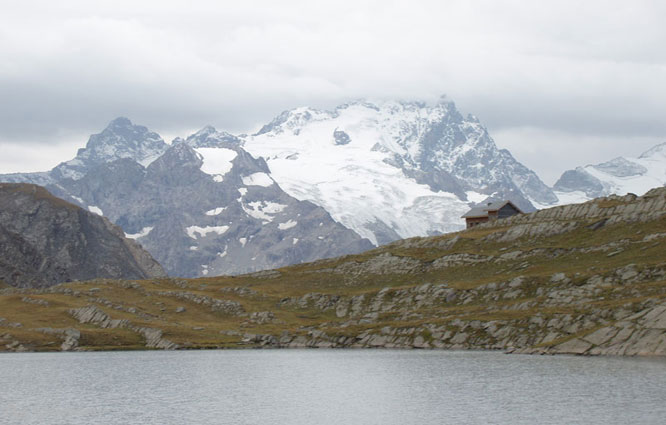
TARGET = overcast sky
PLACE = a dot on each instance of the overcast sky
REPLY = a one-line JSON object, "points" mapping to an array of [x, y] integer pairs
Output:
{"points": [[558, 83]]}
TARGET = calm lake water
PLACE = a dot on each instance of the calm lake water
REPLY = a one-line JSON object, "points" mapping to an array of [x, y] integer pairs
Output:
{"points": [[328, 387]]}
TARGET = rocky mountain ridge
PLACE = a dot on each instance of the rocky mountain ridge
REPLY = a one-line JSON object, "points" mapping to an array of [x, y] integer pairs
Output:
{"points": [[214, 211], [46, 241]]}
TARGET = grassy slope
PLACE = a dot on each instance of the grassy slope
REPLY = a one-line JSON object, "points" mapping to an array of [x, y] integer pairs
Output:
{"points": [[145, 303]]}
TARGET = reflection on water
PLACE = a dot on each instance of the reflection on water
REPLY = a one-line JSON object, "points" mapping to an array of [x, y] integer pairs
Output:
{"points": [[328, 387]]}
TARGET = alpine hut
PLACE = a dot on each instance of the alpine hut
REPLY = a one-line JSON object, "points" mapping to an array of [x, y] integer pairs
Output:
{"points": [[491, 211]]}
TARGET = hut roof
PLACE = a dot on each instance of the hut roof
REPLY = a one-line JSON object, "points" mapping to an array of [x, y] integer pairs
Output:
{"points": [[482, 210]]}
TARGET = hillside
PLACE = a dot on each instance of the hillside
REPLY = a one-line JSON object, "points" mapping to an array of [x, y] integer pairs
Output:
{"points": [[585, 279], [45, 240]]}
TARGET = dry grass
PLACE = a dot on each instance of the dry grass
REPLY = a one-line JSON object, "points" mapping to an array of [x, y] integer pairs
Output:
{"points": [[200, 327]]}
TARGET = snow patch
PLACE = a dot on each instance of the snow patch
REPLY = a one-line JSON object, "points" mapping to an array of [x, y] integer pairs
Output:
{"points": [[475, 197], [263, 210], [194, 248], [94, 209], [203, 231], [258, 179], [216, 211], [142, 233], [565, 198], [242, 241], [223, 253], [217, 161], [149, 159], [294, 241], [287, 225], [79, 200]]}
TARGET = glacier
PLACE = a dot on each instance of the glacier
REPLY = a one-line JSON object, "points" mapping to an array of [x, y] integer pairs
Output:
{"points": [[391, 170]]}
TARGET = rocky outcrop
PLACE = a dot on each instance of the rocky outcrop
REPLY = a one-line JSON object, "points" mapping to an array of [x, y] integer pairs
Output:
{"points": [[45, 240], [638, 328], [223, 306], [70, 337], [93, 315]]}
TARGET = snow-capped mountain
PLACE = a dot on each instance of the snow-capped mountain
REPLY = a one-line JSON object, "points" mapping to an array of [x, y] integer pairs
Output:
{"points": [[204, 206], [617, 176], [310, 184], [392, 170]]}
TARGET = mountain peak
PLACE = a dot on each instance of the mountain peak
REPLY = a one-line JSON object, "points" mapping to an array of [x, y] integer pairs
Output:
{"points": [[120, 122], [659, 149], [205, 131], [210, 137], [120, 139], [124, 131]]}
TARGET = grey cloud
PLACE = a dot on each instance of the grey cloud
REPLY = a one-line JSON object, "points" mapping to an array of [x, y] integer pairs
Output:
{"points": [[589, 70]]}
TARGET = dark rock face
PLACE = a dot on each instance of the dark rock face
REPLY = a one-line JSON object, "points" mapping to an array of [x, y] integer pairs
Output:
{"points": [[579, 179], [341, 138], [45, 240], [458, 155]]}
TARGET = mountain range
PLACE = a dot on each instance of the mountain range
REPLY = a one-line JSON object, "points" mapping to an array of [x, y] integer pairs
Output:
{"points": [[311, 184]]}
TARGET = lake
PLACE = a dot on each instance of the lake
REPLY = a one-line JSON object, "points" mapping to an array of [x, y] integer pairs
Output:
{"points": [[328, 387]]}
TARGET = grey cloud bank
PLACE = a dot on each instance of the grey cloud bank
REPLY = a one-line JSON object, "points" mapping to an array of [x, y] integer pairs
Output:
{"points": [[543, 78]]}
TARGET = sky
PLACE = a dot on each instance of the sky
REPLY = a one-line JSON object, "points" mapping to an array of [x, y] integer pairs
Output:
{"points": [[558, 83]]}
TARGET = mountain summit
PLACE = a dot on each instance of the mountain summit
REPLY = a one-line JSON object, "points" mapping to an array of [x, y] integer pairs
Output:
{"points": [[392, 170], [120, 139]]}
